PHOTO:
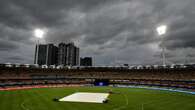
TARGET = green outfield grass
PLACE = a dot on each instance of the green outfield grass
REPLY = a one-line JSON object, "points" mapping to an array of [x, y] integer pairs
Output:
{"points": [[126, 99]]}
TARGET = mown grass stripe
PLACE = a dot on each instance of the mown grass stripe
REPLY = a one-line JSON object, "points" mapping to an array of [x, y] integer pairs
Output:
{"points": [[41, 99]]}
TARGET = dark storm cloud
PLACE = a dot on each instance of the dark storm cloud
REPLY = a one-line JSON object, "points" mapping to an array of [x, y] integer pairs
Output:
{"points": [[41, 12], [112, 31], [182, 34], [16, 58], [7, 45]]}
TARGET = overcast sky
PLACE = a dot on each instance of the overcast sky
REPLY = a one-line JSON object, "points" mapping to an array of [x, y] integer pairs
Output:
{"points": [[111, 31]]}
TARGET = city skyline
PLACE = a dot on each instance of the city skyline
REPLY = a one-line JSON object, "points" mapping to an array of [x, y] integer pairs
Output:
{"points": [[46, 54], [111, 31], [66, 54]]}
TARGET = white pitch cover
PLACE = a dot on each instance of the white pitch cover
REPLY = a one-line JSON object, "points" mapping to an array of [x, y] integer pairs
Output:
{"points": [[86, 97]]}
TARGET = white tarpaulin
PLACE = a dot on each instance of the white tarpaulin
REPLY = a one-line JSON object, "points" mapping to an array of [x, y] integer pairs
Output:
{"points": [[86, 97]]}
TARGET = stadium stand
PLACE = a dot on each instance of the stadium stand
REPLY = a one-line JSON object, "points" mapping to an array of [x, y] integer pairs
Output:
{"points": [[37, 77]]}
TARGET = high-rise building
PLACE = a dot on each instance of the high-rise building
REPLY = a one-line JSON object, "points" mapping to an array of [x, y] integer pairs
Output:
{"points": [[62, 51], [46, 54], [68, 54], [77, 56], [86, 61], [52, 55]]}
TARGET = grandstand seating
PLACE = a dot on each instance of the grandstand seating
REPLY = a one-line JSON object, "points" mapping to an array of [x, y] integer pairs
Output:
{"points": [[177, 78]]}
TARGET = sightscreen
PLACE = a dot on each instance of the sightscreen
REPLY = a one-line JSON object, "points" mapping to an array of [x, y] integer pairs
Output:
{"points": [[101, 82]]}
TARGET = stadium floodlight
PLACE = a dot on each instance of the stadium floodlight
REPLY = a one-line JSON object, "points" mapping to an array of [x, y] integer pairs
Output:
{"points": [[161, 30], [38, 33]]}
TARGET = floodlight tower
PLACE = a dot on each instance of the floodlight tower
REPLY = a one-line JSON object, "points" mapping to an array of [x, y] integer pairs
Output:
{"points": [[38, 33], [161, 30]]}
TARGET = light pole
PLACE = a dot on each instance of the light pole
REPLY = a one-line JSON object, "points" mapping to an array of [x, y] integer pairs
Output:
{"points": [[161, 30], [38, 33]]}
